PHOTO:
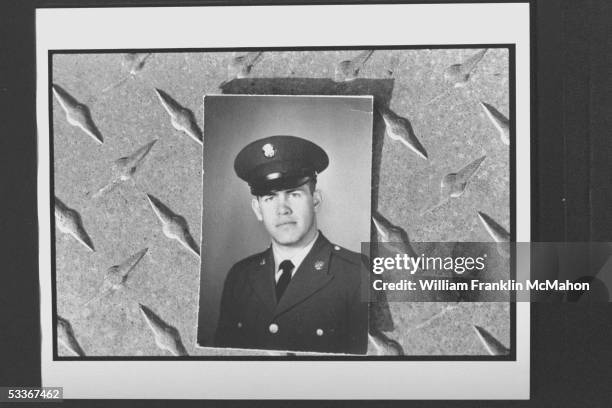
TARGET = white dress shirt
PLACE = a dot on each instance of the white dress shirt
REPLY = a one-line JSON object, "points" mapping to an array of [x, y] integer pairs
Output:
{"points": [[296, 257]]}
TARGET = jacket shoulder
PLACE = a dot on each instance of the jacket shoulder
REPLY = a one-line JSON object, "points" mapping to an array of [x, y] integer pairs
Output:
{"points": [[351, 257], [250, 260], [244, 265]]}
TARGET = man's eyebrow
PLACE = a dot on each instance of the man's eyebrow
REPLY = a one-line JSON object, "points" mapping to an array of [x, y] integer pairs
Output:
{"points": [[294, 189]]}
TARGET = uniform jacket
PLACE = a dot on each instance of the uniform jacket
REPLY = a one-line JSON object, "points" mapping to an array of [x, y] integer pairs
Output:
{"points": [[321, 310]]}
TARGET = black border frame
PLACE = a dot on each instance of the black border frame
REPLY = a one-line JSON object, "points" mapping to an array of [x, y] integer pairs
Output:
{"points": [[512, 169]]}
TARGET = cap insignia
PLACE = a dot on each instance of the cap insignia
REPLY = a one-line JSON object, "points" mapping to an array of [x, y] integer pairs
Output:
{"points": [[268, 150]]}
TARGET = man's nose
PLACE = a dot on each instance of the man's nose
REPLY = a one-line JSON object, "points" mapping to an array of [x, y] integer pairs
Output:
{"points": [[283, 207]]}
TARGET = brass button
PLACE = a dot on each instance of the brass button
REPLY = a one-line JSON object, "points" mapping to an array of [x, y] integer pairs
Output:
{"points": [[337, 248], [273, 328], [319, 332], [239, 325]]}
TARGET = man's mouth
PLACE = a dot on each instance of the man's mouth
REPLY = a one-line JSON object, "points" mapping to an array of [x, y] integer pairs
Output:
{"points": [[285, 223]]}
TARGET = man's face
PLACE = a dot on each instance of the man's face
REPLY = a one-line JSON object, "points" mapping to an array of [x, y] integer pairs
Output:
{"points": [[289, 215]]}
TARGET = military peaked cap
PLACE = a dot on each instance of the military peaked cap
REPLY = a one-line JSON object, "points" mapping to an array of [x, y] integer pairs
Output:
{"points": [[278, 163]]}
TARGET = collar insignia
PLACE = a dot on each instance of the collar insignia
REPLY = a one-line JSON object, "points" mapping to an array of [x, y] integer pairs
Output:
{"points": [[319, 265]]}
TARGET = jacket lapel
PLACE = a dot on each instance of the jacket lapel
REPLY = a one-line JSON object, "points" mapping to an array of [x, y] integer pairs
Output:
{"points": [[312, 275], [262, 279]]}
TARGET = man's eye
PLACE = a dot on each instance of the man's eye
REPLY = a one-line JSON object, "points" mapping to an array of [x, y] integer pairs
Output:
{"points": [[267, 198], [295, 194]]}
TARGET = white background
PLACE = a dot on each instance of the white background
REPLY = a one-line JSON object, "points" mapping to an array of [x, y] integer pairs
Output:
{"points": [[285, 26]]}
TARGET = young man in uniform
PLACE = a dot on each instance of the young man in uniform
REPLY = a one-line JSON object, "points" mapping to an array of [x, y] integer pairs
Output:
{"points": [[303, 293]]}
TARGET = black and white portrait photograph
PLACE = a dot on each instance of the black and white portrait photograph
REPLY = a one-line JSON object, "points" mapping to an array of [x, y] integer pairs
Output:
{"points": [[207, 199], [211, 202], [286, 199]]}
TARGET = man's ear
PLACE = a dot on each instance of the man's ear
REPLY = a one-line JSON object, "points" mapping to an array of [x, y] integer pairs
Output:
{"points": [[317, 199], [256, 208]]}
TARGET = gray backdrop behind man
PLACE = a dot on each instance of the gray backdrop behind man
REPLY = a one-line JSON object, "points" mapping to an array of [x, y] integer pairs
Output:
{"points": [[342, 126]]}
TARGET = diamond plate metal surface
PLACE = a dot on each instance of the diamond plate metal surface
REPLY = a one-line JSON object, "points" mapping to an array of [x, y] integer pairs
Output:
{"points": [[446, 109]]}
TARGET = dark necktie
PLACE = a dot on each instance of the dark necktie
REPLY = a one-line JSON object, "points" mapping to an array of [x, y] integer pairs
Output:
{"points": [[285, 266]]}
